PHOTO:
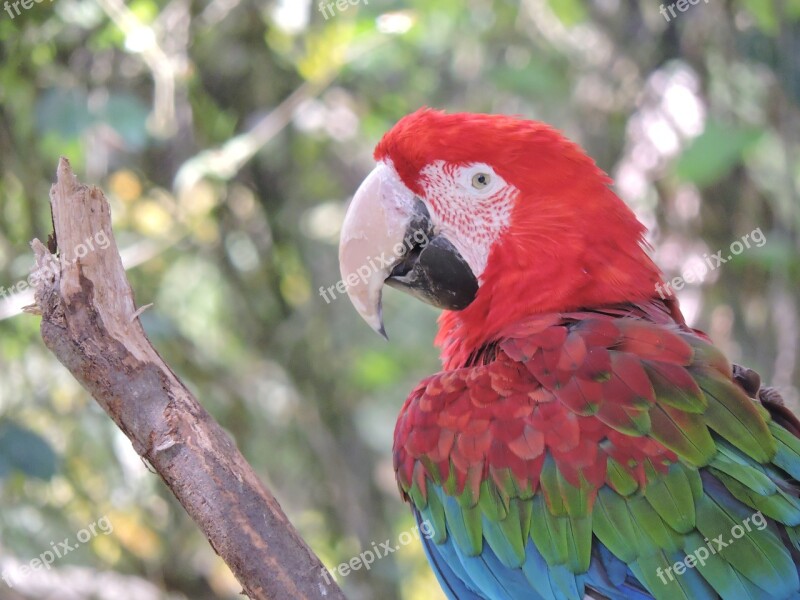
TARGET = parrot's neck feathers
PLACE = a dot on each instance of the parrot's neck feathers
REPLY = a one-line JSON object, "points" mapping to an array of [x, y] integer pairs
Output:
{"points": [[603, 275]]}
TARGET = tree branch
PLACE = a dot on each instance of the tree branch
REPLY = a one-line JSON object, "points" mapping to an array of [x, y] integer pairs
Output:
{"points": [[90, 323]]}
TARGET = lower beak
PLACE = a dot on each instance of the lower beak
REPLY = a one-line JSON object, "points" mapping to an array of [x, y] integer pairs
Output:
{"points": [[388, 237]]}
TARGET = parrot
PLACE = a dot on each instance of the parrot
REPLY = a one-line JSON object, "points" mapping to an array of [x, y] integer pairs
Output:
{"points": [[580, 440]]}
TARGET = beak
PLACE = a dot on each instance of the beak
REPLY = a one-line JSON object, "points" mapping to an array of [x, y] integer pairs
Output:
{"points": [[388, 237]]}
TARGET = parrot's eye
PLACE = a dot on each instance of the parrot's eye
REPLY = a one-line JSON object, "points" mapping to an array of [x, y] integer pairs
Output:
{"points": [[481, 180]]}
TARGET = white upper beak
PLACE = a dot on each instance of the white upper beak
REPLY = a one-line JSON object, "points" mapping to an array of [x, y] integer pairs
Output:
{"points": [[373, 240]]}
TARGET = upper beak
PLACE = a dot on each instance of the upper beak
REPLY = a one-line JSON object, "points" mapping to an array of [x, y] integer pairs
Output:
{"points": [[388, 236]]}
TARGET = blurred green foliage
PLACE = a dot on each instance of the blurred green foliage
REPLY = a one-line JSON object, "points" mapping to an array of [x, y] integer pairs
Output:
{"points": [[229, 136]]}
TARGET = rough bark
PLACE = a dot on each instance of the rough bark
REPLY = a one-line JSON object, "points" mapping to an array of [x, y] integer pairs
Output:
{"points": [[90, 323]]}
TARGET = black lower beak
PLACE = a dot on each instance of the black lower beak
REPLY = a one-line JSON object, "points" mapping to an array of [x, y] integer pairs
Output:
{"points": [[433, 270]]}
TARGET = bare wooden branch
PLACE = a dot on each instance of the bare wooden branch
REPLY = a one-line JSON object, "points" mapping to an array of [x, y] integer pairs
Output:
{"points": [[90, 322]]}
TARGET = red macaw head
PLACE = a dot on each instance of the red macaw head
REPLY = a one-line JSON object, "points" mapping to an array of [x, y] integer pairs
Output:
{"points": [[491, 218]]}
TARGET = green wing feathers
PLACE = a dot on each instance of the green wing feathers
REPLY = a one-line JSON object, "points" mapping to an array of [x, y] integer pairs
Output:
{"points": [[598, 440]]}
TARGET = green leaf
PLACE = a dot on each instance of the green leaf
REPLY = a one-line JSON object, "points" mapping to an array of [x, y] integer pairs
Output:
{"points": [[569, 12], [64, 112], [536, 77], [375, 370], [715, 152], [127, 115], [24, 451], [764, 14]]}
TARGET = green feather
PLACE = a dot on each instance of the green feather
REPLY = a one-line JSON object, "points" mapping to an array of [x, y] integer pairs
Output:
{"points": [[753, 478], [648, 521], [734, 416], [464, 523], [507, 535], [434, 513], [695, 483], [728, 582], [757, 554], [491, 502], [779, 506], [417, 497], [579, 542], [525, 509], [620, 479], [505, 542], [431, 468], [548, 533], [788, 455], [549, 481], [671, 496], [567, 514], [470, 495], [509, 486], [450, 485], [684, 433], [561, 540], [503, 482], [653, 572], [515, 528], [575, 500], [708, 355], [688, 397], [613, 525]]}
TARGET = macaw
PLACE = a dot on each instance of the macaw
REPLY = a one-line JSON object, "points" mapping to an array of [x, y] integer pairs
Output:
{"points": [[580, 440]]}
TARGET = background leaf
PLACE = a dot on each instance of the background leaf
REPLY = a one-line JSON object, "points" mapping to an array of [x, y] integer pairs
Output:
{"points": [[25, 451], [715, 152]]}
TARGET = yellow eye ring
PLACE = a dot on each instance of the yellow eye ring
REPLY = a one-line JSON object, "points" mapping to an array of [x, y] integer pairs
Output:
{"points": [[481, 180]]}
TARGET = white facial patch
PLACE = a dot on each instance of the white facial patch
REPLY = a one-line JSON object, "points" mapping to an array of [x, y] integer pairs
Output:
{"points": [[470, 205]]}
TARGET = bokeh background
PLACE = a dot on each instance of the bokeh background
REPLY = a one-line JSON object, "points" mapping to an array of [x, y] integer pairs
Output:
{"points": [[229, 136]]}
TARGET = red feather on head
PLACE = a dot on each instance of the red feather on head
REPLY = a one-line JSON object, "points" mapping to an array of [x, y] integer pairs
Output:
{"points": [[571, 241]]}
